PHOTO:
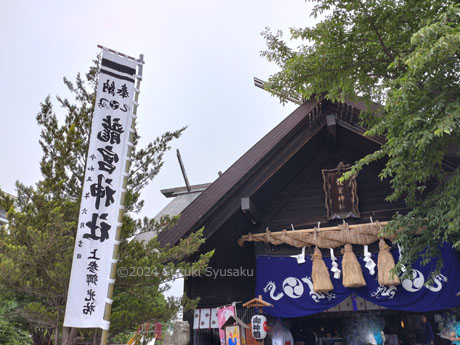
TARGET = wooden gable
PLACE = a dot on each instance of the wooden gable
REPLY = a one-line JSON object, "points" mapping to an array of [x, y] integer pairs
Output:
{"points": [[301, 201], [280, 181], [278, 184], [281, 176]]}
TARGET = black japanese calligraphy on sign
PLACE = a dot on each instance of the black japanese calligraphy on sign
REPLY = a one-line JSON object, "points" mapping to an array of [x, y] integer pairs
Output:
{"points": [[108, 157], [259, 326], [94, 225], [89, 308], [93, 255], [91, 279], [112, 130], [123, 91], [101, 190], [113, 104], [93, 267], [90, 295], [109, 87], [341, 197]]}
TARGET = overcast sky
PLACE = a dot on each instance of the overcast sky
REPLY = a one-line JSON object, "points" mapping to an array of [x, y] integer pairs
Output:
{"points": [[200, 58]]}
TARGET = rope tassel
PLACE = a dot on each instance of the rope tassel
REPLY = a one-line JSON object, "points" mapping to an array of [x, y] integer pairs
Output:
{"points": [[352, 275], [385, 264], [320, 274]]}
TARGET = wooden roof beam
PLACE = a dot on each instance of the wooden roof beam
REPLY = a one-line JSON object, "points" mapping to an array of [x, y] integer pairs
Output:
{"points": [[261, 84], [250, 211], [331, 132]]}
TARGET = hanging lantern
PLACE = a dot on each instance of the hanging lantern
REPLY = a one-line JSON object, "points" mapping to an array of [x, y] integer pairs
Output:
{"points": [[259, 327]]}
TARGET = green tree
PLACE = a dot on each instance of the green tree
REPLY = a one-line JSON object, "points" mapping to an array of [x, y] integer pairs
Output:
{"points": [[11, 331], [404, 55], [37, 247]]}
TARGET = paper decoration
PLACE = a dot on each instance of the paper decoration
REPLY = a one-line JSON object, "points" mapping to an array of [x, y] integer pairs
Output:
{"points": [[370, 264], [214, 318], [196, 319], [335, 266], [205, 318]]}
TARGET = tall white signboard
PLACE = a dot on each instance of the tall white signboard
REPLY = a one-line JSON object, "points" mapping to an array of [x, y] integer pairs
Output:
{"points": [[102, 190]]}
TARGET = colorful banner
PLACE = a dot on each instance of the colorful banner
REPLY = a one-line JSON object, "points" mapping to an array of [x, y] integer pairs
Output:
{"points": [[101, 196], [223, 313], [288, 286]]}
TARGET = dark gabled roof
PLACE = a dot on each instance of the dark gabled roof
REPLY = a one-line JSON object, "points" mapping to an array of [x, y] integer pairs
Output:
{"points": [[192, 217]]}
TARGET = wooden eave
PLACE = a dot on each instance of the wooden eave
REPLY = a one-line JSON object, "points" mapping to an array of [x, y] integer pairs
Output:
{"points": [[261, 161], [257, 303], [194, 215]]}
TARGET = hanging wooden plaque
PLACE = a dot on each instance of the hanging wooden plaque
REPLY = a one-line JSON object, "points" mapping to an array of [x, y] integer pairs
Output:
{"points": [[341, 198]]}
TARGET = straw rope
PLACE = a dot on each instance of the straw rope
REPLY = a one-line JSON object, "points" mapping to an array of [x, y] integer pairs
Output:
{"points": [[328, 237]]}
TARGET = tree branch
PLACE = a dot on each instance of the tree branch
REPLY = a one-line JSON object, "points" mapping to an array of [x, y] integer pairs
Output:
{"points": [[377, 32]]}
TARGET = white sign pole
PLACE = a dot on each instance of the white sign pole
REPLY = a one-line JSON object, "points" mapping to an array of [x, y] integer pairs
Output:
{"points": [[98, 235]]}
